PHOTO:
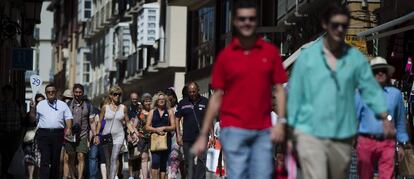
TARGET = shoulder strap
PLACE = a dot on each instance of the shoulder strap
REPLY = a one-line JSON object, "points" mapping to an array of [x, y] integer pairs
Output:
{"points": [[195, 117], [69, 103], [113, 120], [90, 108]]}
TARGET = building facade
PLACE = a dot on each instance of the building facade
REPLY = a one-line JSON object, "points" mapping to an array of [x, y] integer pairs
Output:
{"points": [[42, 57], [158, 33], [70, 51]]}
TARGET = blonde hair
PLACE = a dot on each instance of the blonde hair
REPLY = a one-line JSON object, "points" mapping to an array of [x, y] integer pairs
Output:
{"points": [[156, 97], [115, 89]]}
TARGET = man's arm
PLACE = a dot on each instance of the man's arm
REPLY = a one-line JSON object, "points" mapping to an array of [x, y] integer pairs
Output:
{"points": [[92, 123], [370, 90], [373, 96], [68, 126], [68, 120], [178, 130], [278, 131], [212, 111], [32, 112], [280, 100]]}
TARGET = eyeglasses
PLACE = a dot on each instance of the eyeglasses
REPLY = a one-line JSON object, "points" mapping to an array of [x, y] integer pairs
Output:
{"points": [[335, 25], [50, 92], [381, 70], [244, 18], [117, 94]]}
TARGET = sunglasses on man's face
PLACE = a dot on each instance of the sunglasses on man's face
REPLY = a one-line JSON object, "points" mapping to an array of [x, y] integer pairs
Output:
{"points": [[336, 25], [377, 71], [50, 92], [244, 18]]}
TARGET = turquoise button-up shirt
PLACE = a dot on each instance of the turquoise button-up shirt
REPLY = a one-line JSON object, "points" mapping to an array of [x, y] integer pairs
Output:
{"points": [[321, 102]]}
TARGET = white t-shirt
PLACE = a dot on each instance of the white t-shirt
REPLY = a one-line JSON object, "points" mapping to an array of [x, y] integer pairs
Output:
{"points": [[53, 115], [273, 117]]}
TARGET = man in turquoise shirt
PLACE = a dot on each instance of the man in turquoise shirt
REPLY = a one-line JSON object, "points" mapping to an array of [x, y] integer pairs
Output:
{"points": [[321, 106]]}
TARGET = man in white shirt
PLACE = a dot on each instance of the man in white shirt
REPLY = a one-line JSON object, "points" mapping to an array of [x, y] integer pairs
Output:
{"points": [[53, 117]]}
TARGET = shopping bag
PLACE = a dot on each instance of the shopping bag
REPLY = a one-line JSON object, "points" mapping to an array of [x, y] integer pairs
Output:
{"points": [[406, 166], [158, 142], [212, 159]]}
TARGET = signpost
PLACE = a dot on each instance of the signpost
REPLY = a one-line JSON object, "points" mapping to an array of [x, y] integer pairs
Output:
{"points": [[35, 83]]}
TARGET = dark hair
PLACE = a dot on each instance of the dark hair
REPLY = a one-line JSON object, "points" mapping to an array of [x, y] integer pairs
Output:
{"points": [[171, 92], [332, 10], [50, 85], [38, 95], [184, 91], [78, 86], [244, 4]]}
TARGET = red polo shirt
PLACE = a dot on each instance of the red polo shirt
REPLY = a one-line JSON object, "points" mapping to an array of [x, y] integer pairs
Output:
{"points": [[247, 77]]}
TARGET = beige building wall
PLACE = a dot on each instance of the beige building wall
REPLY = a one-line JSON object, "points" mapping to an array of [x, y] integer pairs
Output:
{"points": [[362, 15], [176, 36]]}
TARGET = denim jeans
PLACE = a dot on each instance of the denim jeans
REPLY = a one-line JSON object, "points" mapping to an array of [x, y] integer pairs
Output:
{"points": [[93, 162], [247, 153]]}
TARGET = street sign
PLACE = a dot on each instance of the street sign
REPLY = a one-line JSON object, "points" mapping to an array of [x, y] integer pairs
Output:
{"points": [[22, 59], [35, 83]]}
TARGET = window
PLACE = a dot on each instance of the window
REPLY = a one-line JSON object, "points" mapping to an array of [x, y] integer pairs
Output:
{"points": [[202, 39], [86, 71], [151, 18], [88, 4], [151, 32], [151, 39], [151, 25], [87, 14], [87, 10], [152, 11]]}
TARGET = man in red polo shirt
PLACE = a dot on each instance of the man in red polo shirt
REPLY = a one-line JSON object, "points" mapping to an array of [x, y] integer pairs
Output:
{"points": [[243, 76]]}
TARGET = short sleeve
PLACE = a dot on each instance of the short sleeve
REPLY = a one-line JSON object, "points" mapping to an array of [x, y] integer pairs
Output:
{"points": [[279, 75], [218, 73], [67, 114], [178, 111]]}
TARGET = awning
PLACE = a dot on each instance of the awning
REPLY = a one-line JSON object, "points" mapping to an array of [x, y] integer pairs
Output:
{"points": [[291, 59], [387, 25]]}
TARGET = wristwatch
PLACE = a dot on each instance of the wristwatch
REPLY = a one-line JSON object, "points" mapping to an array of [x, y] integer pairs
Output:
{"points": [[389, 117]]}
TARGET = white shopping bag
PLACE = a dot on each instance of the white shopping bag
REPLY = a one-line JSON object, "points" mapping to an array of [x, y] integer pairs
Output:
{"points": [[212, 159]]}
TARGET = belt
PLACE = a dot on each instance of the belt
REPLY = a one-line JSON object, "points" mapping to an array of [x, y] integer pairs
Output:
{"points": [[372, 136], [51, 129]]}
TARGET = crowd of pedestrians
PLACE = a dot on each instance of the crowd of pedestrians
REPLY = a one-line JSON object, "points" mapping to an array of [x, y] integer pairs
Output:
{"points": [[336, 102]]}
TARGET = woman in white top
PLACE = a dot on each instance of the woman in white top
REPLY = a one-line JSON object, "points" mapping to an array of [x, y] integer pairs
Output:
{"points": [[114, 112]]}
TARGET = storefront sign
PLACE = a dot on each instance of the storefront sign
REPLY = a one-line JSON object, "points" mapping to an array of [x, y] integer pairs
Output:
{"points": [[358, 43]]}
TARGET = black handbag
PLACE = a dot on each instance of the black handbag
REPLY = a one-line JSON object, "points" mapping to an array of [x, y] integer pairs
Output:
{"points": [[107, 139]]}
